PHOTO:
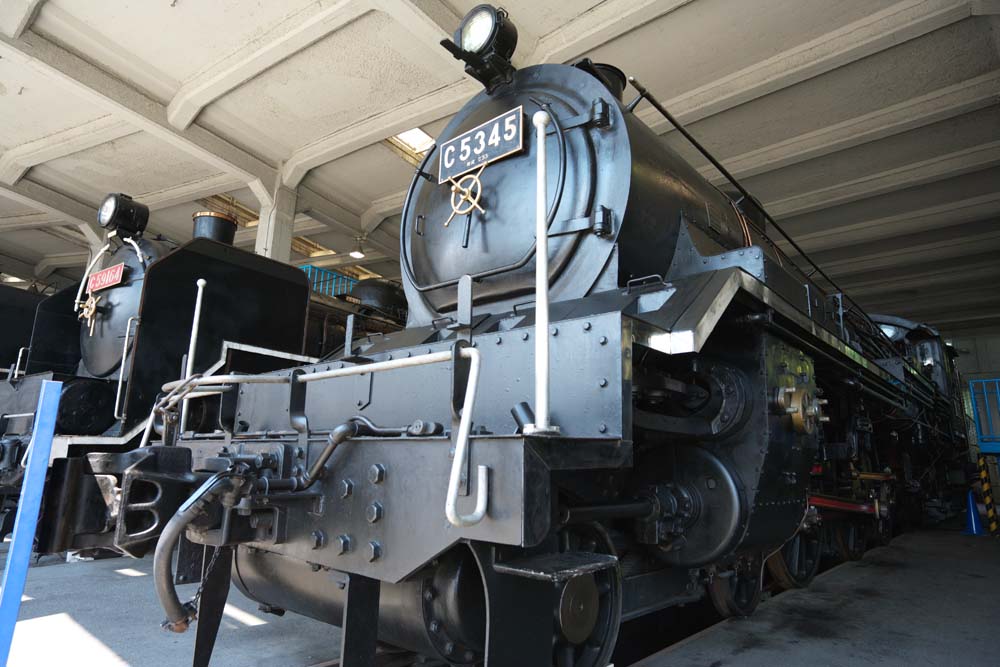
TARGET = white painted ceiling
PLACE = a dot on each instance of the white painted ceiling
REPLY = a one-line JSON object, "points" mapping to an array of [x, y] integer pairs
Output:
{"points": [[869, 128]]}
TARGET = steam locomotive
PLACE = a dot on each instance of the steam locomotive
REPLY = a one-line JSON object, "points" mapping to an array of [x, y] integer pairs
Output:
{"points": [[614, 394], [17, 312], [113, 339]]}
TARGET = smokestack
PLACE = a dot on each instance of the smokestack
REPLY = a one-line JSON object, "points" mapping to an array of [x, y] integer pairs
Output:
{"points": [[219, 227]]}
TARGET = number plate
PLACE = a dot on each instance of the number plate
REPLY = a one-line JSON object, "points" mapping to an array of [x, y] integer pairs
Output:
{"points": [[494, 139], [104, 278]]}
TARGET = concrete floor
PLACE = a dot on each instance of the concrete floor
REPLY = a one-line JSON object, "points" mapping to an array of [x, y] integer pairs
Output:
{"points": [[104, 613], [930, 598]]}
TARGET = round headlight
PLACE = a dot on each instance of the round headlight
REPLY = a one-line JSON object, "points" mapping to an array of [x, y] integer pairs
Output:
{"points": [[107, 211], [477, 29]]}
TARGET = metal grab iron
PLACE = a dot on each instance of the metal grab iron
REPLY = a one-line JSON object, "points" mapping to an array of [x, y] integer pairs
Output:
{"points": [[542, 426]]}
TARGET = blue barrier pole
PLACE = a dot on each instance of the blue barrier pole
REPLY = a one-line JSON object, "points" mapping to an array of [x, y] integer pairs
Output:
{"points": [[19, 555]]}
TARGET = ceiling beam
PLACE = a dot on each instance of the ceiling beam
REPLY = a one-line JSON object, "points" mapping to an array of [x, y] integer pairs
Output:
{"points": [[907, 176], [340, 219], [288, 37], [915, 274], [381, 209], [25, 271], [62, 260], [93, 84], [34, 220], [56, 204], [954, 278], [189, 192], [854, 230], [952, 243], [17, 15], [609, 20], [302, 225], [933, 297], [893, 25], [428, 21], [15, 162], [424, 109], [948, 102]]}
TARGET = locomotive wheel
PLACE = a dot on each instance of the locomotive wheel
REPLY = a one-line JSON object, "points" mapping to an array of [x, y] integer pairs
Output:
{"points": [[738, 593], [588, 611], [884, 529], [851, 539], [797, 562]]}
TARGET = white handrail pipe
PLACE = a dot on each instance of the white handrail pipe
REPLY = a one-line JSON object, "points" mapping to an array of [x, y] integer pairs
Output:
{"points": [[542, 424], [192, 344]]}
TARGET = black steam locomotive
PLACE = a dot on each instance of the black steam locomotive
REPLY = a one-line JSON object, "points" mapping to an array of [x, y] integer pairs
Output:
{"points": [[17, 312], [113, 340], [614, 394]]}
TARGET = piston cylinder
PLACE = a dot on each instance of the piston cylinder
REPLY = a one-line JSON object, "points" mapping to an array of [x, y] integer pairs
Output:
{"points": [[438, 612]]}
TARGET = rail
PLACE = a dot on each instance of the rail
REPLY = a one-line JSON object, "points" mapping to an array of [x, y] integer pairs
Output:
{"points": [[326, 282], [985, 398]]}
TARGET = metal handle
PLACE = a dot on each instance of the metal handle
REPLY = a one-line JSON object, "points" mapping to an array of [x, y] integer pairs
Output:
{"points": [[462, 453], [192, 344], [541, 120], [121, 370]]}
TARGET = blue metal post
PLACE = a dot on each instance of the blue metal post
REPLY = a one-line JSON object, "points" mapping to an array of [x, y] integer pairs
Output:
{"points": [[18, 556], [975, 408]]}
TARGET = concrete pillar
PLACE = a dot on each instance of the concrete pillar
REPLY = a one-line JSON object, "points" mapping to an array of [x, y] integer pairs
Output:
{"points": [[274, 233]]}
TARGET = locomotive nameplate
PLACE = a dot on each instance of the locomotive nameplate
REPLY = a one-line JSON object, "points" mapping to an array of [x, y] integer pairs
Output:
{"points": [[495, 139], [105, 278]]}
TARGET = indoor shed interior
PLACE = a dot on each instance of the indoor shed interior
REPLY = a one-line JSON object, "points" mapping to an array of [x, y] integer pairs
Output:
{"points": [[315, 138]]}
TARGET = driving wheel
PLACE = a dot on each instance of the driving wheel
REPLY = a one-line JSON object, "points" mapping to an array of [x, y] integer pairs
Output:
{"points": [[588, 607]]}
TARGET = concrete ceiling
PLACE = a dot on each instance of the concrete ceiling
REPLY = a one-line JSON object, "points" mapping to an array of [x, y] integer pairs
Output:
{"points": [[869, 128]]}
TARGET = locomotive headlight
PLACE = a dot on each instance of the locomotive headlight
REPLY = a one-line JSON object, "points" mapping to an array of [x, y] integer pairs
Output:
{"points": [[485, 41], [119, 212], [107, 211], [477, 28]]}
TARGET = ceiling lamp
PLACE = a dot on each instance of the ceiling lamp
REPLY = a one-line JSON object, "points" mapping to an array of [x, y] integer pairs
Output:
{"points": [[358, 252]]}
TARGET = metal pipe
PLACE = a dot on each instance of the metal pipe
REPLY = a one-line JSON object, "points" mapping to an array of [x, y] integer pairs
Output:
{"points": [[307, 478], [121, 369], [540, 120], [180, 615], [17, 365], [638, 509], [391, 364], [192, 344], [462, 454], [225, 379], [86, 275], [138, 252]]}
